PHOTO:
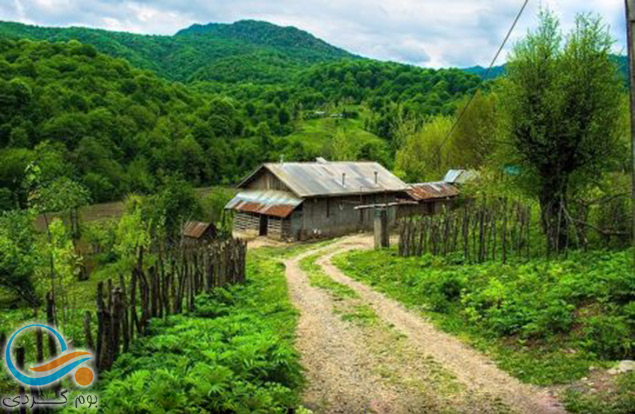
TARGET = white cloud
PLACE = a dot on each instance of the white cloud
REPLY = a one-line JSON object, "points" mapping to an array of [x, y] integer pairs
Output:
{"points": [[424, 32]]}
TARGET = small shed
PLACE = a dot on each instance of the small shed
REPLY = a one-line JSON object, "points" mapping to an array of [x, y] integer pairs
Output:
{"points": [[198, 231], [430, 198]]}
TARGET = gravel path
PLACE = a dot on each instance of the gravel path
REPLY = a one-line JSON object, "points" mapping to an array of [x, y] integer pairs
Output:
{"points": [[396, 364], [339, 378], [472, 369]]}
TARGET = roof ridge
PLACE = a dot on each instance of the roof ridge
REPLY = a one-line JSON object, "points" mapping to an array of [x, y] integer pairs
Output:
{"points": [[322, 163]]}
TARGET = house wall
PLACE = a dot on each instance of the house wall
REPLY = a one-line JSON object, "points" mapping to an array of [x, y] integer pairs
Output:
{"points": [[278, 228], [424, 208], [334, 216], [247, 223]]}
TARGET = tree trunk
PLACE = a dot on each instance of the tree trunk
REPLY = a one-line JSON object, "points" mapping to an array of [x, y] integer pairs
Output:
{"points": [[553, 213]]}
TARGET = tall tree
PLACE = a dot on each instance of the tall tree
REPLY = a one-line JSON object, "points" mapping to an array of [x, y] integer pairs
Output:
{"points": [[563, 102], [423, 155]]}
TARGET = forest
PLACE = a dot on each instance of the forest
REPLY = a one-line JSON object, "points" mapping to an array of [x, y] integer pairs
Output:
{"points": [[117, 129], [532, 268]]}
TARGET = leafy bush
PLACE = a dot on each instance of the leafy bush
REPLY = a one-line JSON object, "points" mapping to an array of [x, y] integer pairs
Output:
{"points": [[608, 336], [442, 289], [217, 303]]}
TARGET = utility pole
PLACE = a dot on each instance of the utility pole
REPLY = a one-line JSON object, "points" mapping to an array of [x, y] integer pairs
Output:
{"points": [[630, 31]]}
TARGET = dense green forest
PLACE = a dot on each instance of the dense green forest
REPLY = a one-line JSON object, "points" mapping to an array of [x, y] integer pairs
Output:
{"points": [[251, 89], [201, 51]]}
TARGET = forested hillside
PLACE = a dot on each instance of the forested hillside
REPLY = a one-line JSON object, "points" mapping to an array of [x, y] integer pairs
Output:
{"points": [[496, 71], [262, 52], [248, 93]]}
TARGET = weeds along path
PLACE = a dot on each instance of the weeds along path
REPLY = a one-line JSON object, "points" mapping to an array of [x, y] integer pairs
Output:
{"points": [[356, 361], [472, 370]]}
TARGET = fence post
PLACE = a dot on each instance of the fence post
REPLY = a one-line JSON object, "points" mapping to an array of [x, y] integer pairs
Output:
{"points": [[19, 359], [124, 316], [100, 326], [87, 332]]}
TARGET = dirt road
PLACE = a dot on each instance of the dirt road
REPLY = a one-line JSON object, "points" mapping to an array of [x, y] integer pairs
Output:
{"points": [[364, 352]]}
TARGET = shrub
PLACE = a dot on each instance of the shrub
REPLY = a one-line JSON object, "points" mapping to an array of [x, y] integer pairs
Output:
{"points": [[442, 289], [608, 336]]}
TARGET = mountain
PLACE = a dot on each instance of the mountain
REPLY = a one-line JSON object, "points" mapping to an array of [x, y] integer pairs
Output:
{"points": [[120, 112], [245, 51], [495, 72], [290, 39], [621, 60]]}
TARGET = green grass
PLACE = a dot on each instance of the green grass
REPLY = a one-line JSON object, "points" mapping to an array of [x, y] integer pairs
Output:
{"points": [[545, 322], [318, 278], [361, 314], [348, 305], [616, 399], [288, 251], [317, 134]]}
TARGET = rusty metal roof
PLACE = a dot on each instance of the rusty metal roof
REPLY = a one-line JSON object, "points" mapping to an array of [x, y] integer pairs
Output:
{"points": [[432, 191], [269, 202], [195, 229], [324, 178]]}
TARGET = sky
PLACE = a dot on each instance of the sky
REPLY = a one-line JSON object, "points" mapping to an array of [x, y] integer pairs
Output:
{"points": [[429, 33]]}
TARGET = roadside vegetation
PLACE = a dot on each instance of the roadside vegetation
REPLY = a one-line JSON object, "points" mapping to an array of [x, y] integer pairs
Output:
{"points": [[70, 257], [547, 322], [234, 353]]}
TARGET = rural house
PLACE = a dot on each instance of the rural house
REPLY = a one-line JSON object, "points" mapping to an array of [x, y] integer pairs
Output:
{"points": [[301, 200], [430, 198]]}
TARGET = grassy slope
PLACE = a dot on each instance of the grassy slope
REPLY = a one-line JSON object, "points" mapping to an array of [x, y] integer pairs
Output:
{"points": [[544, 322], [317, 136]]}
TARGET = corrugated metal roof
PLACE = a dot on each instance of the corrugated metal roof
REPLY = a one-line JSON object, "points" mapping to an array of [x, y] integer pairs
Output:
{"points": [[310, 179], [432, 191], [195, 229], [269, 202], [459, 176]]}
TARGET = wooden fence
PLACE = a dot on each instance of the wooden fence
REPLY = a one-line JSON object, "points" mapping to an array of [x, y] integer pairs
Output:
{"points": [[168, 286], [481, 230]]}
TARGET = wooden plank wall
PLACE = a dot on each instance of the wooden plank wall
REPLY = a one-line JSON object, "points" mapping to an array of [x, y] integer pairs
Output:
{"points": [[278, 228], [246, 222]]}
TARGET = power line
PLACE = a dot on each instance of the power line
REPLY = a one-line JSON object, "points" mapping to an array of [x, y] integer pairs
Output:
{"points": [[498, 52]]}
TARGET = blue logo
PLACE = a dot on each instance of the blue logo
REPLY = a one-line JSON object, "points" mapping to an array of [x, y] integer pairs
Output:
{"points": [[55, 369]]}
